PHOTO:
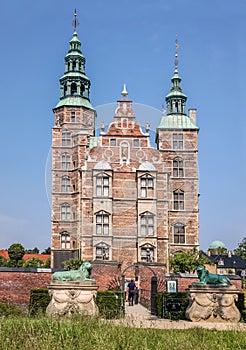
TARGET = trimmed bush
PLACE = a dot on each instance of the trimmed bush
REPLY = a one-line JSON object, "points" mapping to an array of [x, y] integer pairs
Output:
{"points": [[111, 304], [240, 304], [164, 301], [9, 310], [39, 300]]}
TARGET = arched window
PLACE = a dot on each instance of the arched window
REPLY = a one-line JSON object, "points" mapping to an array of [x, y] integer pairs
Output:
{"points": [[65, 240], [65, 212], [102, 223], [179, 233], [178, 170], [65, 184], [147, 224], [74, 90], [178, 200], [65, 161]]}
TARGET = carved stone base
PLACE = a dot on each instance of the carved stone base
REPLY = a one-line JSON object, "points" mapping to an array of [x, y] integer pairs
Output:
{"points": [[68, 297], [212, 303]]}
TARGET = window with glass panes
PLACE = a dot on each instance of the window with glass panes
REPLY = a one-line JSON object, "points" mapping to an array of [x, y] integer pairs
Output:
{"points": [[65, 184], [65, 240], [179, 233], [146, 186], [177, 141], [102, 223], [102, 186], [147, 224], [66, 138], [65, 212], [178, 170], [72, 117], [178, 200], [65, 161]]}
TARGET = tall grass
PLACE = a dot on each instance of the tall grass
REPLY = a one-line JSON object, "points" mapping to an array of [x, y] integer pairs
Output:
{"points": [[91, 333]]}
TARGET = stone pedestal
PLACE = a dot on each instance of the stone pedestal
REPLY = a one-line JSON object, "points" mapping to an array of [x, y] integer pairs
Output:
{"points": [[212, 303], [69, 297]]}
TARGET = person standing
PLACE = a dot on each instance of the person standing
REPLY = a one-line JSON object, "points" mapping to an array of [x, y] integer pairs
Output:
{"points": [[131, 292]]}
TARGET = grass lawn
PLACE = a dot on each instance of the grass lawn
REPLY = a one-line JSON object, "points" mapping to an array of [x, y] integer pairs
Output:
{"points": [[90, 333]]}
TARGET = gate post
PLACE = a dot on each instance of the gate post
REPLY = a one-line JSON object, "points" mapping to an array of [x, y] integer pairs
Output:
{"points": [[153, 297]]}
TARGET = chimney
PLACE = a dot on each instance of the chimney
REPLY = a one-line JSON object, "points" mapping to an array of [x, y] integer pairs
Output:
{"points": [[192, 115]]}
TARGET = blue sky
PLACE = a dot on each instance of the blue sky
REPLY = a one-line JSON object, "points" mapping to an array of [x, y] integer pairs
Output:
{"points": [[130, 42]]}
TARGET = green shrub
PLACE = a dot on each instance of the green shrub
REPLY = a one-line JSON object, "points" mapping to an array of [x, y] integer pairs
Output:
{"points": [[3, 261], [33, 262], [163, 299], [72, 264], [39, 300], [240, 304], [16, 252], [10, 310], [47, 263], [111, 304]]}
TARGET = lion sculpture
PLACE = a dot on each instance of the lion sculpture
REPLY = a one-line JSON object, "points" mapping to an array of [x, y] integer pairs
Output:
{"points": [[82, 274], [206, 277]]}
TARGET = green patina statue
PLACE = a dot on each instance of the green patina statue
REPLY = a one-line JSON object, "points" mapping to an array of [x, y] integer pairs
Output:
{"points": [[206, 277], [82, 274]]}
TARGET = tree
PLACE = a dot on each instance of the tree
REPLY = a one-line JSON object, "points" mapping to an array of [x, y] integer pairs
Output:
{"points": [[72, 264], [47, 251], [16, 252], [187, 261], [241, 249], [33, 262], [32, 251], [3, 261]]}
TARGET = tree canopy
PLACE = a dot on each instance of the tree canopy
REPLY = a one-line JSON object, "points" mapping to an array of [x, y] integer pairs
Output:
{"points": [[241, 249], [188, 261], [16, 252]]}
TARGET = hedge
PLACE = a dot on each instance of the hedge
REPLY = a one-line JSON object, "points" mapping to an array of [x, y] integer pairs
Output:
{"points": [[111, 303], [164, 300], [39, 300]]}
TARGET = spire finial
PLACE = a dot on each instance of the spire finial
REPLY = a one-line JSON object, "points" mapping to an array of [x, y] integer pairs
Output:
{"points": [[176, 61], [75, 21], [124, 91]]}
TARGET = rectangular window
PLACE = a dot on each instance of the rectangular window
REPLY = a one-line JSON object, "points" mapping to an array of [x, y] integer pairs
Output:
{"points": [[178, 170], [178, 200], [72, 117], [65, 212], [179, 234], [102, 224], [177, 141], [65, 162], [146, 187], [136, 143], [112, 142], [147, 225], [66, 138], [65, 241], [102, 186]]}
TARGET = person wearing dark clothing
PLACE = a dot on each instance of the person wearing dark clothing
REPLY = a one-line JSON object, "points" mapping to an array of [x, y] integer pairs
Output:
{"points": [[131, 292]]}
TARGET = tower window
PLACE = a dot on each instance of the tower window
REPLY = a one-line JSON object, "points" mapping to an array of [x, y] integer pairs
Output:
{"points": [[147, 224], [177, 141], [179, 233], [65, 161], [65, 187], [102, 223], [65, 212], [74, 89], [102, 186], [65, 240], [146, 186], [178, 200], [73, 117], [178, 170], [66, 138]]}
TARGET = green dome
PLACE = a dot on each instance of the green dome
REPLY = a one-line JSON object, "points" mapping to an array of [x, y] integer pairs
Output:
{"points": [[216, 245]]}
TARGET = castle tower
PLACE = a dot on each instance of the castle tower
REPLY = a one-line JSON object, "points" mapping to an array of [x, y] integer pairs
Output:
{"points": [[74, 124], [177, 140]]}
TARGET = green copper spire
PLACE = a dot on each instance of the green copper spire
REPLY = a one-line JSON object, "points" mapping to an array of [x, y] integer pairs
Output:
{"points": [[176, 99], [74, 84]]}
